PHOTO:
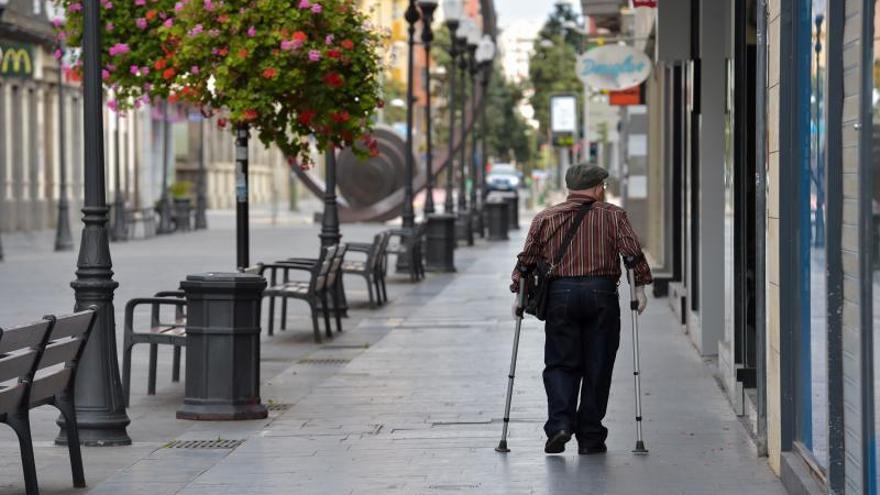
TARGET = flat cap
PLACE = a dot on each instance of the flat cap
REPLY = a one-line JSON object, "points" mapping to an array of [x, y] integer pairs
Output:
{"points": [[584, 176]]}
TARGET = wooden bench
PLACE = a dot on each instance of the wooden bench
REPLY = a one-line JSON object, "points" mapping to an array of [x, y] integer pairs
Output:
{"points": [[373, 268], [38, 365], [316, 291]]}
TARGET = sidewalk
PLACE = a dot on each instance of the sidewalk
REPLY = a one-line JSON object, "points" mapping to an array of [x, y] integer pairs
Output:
{"points": [[411, 399]]}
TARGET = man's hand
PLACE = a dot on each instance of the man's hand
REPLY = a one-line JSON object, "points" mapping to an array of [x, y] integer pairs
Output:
{"points": [[641, 298], [514, 308]]}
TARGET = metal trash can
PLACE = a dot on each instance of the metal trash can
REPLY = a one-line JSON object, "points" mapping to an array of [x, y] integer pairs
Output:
{"points": [[223, 347], [440, 247], [512, 199], [497, 211]]}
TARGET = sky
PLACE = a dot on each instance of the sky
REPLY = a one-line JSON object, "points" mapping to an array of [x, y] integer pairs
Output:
{"points": [[513, 10]]}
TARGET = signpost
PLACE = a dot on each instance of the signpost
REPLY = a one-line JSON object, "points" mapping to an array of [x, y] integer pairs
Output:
{"points": [[563, 129], [16, 60]]}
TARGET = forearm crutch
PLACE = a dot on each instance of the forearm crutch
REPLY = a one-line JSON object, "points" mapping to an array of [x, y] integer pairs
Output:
{"points": [[630, 262], [520, 305]]}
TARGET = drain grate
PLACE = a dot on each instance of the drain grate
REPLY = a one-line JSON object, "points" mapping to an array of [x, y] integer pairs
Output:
{"points": [[277, 406], [325, 361], [345, 346], [204, 444]]}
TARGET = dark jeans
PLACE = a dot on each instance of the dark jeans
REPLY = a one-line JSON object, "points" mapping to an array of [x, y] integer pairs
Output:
{"points": [[582, 337]]}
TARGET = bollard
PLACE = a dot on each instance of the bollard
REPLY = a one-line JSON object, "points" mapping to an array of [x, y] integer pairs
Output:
{"points": [[497, 212], [440, 248], [223, 347], [512, 199]]}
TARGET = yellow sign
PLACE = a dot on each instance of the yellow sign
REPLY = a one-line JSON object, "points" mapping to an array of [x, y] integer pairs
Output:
{"points": [[16, 60]]}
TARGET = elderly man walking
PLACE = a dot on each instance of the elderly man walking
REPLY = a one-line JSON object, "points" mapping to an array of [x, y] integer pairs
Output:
{"points": [[582, 328]]}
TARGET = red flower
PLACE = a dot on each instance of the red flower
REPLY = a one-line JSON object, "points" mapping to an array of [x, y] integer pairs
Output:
{"points": [[380, 104], [173, 98], [250, 114], [305, 117], [333, 80], [160, 64], [333, 53], [243, 53], [223, 52], [347, 44], [340, 117], [151, 14], [301, 36], [221, 123], [270, 73], [223, 18], [169, 73]]}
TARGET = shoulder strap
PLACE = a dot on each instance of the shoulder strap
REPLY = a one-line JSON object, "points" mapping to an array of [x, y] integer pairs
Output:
{"points": [[569, 236]]}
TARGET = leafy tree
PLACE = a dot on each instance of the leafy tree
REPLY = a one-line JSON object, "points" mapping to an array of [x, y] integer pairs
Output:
{"points": [[552, 70], [557, 24]]}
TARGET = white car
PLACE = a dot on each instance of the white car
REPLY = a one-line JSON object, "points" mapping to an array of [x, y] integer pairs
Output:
{"points": [[503, 177]]}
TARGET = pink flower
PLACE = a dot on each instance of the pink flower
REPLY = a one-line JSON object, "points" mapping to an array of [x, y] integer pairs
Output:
{"points": [[145, 70], [105, 74], [109, 27], [314, 55], [168, 23], [196, 30], [209, 5], [305, 4], [290, 45], [328, 40], [195, 69], [58, 54], [134, 70], [141, 23], [57, 22], [112, 105], [107, 5], [214, 32], [251, 32], [178, 6], [119, 49], [316, 8], [75, 7], [140, 3], [62, 35]]}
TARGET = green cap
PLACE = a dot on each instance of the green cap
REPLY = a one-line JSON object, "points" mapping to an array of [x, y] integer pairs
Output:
{"points": [[584, 176]]}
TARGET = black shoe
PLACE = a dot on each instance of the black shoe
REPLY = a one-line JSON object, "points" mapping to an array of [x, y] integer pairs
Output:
{"points": [[556, 443], [598, 449]]}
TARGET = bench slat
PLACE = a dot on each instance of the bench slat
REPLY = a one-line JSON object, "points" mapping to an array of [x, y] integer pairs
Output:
{"points": [[30, 335], [10, 398], [17, 365], [58, 352], [73, 325], [49, 385]]}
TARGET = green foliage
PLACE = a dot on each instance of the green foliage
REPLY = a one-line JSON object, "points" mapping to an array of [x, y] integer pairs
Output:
{"points": [[285, 68], [180, 189], [552, 70], [557, 26], [508, 136], [392, 90]]}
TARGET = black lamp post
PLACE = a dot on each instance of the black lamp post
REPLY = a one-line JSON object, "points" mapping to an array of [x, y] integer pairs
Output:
{"points": [[427, 7], [63, 239], [452, 10], [242, 206], [476, 221], [201, 184], [412, 17], [464, 215], [118, 233], [330, 234], [165, 226], [485, 57], [100, 408]]}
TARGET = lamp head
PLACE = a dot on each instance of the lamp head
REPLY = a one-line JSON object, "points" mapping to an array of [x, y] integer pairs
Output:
{"points": [[473, 36], [427, 7], [453, 10], [485, 50], [464, 27]]}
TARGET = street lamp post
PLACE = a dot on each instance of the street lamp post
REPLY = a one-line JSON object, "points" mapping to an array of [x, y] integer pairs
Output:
{"points": [[412, 17], [475, 217], [465, 232], [330, 219], [201, 184], [100, 408], [485, 56], [118, 232], [242, 205], [440, 228], [453, 10], [164, 203], [63, 239]]}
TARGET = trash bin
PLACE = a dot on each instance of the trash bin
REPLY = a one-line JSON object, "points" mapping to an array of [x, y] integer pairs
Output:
{"points": [[512, 199], [223, 347], [497, 211], [440, 247]]}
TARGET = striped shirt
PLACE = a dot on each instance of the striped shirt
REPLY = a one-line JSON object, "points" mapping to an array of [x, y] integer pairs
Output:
{"points": [[604, 235]]}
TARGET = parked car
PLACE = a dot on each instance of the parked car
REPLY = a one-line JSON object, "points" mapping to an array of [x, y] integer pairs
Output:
{"points": [[503, 177]]}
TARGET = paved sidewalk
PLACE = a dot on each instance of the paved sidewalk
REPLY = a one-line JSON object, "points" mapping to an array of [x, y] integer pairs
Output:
{"points": [[414, 406]]}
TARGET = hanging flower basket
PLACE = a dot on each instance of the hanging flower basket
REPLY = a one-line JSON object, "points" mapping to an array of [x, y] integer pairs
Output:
{"points": [[285, 68]]}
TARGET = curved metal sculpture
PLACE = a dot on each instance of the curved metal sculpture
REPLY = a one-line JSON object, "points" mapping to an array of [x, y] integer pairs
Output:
{"points": [[372, 190]]}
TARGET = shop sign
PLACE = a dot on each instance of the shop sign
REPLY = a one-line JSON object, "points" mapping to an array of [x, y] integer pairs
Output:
{"points": [[613, 67], [651, 4], [626, 97], [16, 60]]}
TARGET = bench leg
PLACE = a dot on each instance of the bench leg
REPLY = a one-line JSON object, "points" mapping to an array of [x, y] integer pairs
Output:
{"points": [[22, 426], [126, 373], [283, 313], [373, 302], [175, 366], [76, 464], [315, 326], [384, 289], [271, 316], [326, 309], [151, 378], [337, 314]]}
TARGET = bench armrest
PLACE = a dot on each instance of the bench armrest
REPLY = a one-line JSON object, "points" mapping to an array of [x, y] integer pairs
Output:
{"points": [[155, 302], [170, 293]]}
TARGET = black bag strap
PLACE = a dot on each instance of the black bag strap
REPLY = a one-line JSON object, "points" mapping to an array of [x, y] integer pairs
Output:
{"points": [[569, 236]]}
